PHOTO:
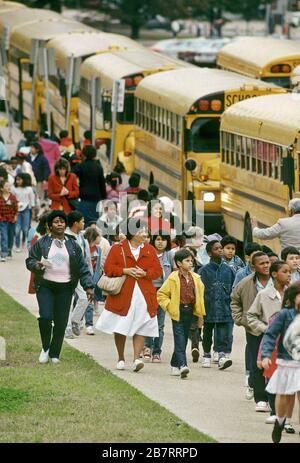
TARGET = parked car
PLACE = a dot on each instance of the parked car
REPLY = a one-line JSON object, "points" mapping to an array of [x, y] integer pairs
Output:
{"points": [[203, 51]]}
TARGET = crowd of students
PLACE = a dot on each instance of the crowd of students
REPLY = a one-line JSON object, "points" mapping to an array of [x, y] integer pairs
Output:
{"points": [[115, 227]]}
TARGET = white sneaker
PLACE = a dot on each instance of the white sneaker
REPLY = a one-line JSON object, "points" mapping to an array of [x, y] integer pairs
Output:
{"points": [[249, 393], [55, 360], [3, 259], [224, 363], [138, 365], [44, 356], [215, 357], [175, 371], [89, 330], [121, 365], [18, 250], [184, 371], [262, 407], [271, 419], [206, 362]]}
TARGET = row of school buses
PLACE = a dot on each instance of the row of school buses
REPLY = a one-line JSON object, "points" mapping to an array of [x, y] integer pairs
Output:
{"points": [[197, 132]]}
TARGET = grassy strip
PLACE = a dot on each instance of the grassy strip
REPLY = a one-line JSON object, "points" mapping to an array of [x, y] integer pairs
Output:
{"points": [[75, 401]]}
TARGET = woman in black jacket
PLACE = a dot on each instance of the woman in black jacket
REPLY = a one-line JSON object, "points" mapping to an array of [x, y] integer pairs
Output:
{"points": [[57, 263]]}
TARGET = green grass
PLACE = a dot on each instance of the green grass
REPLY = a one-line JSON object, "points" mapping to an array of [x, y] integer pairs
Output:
{"points": [[75, 401]]}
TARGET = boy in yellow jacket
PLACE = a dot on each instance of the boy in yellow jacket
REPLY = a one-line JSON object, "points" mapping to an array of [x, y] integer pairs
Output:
{"points": [[181, 296]]}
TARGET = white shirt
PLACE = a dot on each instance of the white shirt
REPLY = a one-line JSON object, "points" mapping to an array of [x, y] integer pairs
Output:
{"points": [[59, 260]]}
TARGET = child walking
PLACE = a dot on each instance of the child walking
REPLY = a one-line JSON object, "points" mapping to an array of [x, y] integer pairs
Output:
{"points": [[229, 244], [8, 217], [285, 382], [181, 296], [162, 244], [25, 196], [218, 279]]}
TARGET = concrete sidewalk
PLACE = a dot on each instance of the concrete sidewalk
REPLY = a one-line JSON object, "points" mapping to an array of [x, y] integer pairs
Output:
{"points": [[210, 400]]}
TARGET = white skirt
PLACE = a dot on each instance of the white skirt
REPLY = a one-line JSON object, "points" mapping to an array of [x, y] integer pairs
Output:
{"points": [[137, 321], [286, 378]]}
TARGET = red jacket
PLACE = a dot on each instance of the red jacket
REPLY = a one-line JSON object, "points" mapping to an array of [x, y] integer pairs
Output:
{"points": [[54, 188], [113, 267]]}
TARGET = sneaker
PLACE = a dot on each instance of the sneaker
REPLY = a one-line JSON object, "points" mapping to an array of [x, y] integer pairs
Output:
{"points": [[249, 393], [184, 371], [76, 328], [195, 354], [138, 365], [156, 358], [44, 356], [90, 330], [69, 334], [277, 431], [271, 419], [215, 357], [175, 371], [18, 250], [224, 363], [3, 259], [121, 365], [206, 362], [147, 354], [55, 360], [262, 407], [288, 427]]}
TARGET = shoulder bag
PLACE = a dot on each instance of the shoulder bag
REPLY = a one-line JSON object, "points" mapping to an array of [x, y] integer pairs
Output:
{"points": [[112, 285]]}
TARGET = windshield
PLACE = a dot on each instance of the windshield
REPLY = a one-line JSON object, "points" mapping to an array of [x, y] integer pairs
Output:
{"points": [[281, 81], [205, 136]]}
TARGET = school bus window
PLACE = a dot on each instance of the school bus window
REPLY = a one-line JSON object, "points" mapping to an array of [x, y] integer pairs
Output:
{"points": [[259, 157], [265, 158], [178, 130], [254, 153], [127, 116], [205, 135], [238, 151], [271, 160], [168, 126], [243, 152], [223, 150], [248, 153]]}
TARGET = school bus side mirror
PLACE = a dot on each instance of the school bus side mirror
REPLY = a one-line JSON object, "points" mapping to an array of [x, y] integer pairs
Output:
{"points": [[190, 164]]}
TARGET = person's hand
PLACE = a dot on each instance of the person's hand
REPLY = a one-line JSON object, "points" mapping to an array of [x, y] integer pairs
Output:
{"points": [[130, 272], [266, 363], [64, 191], [259, 364], [140, 273], [39, 266], [254, 222], [90, 294]]}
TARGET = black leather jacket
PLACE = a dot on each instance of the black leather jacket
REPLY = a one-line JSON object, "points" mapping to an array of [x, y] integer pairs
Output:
{"points": [[78, 268]]}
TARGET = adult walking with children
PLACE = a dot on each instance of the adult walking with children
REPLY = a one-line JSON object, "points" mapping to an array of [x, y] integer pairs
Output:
{"points": [[58, 264], [133, 311]]}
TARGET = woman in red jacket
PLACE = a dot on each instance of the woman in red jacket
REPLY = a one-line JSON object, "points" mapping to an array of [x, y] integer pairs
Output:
{"points": [[62, 186], [132, 312]]}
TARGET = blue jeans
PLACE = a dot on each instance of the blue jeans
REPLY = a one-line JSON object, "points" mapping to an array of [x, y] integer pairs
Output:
{"points": [[223, 338], [88, 209], [181, 330], [155, 344], [7, 231], [22, 225], [88, 315]]}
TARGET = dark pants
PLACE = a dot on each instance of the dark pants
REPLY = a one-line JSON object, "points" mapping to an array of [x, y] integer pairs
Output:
{"points": [[271, 400], [223, 337], [195, 333], [7, 232], [54, 301], [256, 379], [155, 344], [181, 330], [88, 209]]}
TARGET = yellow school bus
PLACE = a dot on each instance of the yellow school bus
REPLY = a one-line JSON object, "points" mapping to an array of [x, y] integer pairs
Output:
{"points": [[260, 156], [132, 66], [70, 52], [295, 79], [28, 64], [268, 59], [9, 6], [178, 113]]}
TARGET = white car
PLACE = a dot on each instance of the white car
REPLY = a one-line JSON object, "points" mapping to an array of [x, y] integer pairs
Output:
{"points": [[172, 47], [204, 52]]}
